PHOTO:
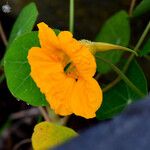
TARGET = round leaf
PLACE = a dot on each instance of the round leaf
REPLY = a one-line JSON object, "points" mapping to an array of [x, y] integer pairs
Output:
{"points": [[116, 30], [121, 95], [17, 70]]}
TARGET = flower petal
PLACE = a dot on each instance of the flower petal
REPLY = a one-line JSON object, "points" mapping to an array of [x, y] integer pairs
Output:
{"points": [[61, 90], [84, 62], [47, 37], [43, 67], [86, 98], [49, 76], [78, 53]]}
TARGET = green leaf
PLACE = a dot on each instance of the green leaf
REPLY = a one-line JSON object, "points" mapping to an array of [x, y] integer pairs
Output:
{"points": [[17, 70], [116, 30], [142, 8], [24, 22], [146, 49], [120, 96], [47, 135]]}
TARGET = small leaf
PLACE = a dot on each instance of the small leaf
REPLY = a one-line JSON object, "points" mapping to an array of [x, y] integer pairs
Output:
{"points": [[142, 8], [17, 70], [116, 30], [47, 135], [24, 22], [120, 96], [146, 49]]}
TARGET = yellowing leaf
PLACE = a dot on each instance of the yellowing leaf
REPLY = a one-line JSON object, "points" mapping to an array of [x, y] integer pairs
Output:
{"points": [[47, 135]]}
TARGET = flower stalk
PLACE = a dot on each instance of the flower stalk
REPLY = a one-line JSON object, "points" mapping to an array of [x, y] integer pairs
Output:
{"points": [[71, 17]]}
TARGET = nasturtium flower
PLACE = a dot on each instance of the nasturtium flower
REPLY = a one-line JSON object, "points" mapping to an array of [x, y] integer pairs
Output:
{"points": [[63, 69]]}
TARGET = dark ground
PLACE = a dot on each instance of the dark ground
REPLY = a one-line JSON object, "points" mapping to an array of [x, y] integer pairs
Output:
{"points": [[89, 17]]}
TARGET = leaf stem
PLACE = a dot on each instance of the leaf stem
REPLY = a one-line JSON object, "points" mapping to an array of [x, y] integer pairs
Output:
{"points": [[142, 37], [132, 4], [18, 145], [64, 120], [140, 41], [111, 84], [122, 76], [4, 39], [44, 113], [3, 35], [71, 16]]}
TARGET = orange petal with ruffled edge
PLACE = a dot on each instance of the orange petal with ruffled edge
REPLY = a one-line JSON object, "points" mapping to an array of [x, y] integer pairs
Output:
{"points": [[86, 98], [49, 76], [79, 54], [47, 37], [43, 67], [61, 91]]}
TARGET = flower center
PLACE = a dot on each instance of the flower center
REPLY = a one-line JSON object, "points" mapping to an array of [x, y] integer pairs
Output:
{"points": [[71, 71], [69, 68]]}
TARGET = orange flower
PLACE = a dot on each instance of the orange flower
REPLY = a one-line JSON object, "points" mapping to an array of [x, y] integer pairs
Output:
{"points": [[63, 69]]}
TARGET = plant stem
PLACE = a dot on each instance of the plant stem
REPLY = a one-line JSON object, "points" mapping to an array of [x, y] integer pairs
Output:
{"points": [[18, 145], [142, 37], [3, 36], [132, 7], [4, 39], [122, 76], [71, 16], [140, 41], [64, 120], [44, 113], [111, 84]]}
